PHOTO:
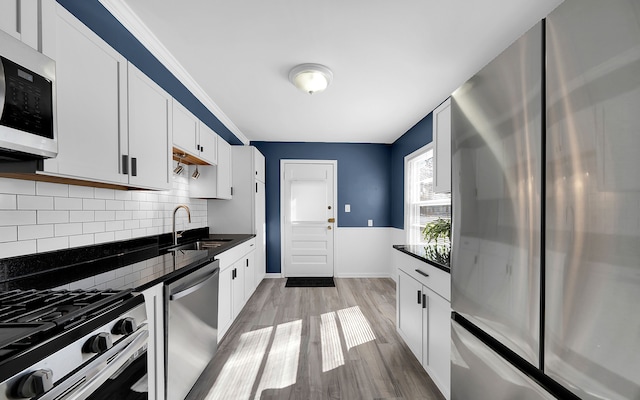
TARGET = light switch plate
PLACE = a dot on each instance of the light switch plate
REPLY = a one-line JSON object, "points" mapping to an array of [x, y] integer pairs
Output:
{"points": [[370, 222], [347, 208]]}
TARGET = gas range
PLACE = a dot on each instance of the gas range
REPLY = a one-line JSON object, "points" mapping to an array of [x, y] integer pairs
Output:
{"points": [[55, 343]]}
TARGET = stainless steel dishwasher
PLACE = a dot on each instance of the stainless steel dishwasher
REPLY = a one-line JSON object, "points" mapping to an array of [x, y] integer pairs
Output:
{"points": [[191, 328]]}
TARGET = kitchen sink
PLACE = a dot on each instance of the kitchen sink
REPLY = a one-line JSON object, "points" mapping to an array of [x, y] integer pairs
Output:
{"points": [[203, 244]]}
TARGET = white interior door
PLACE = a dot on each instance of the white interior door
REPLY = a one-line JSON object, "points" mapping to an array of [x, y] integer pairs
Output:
{"points": [[308, 209]]}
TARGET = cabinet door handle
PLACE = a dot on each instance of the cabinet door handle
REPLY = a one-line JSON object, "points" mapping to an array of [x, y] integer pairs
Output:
{"points": [[422, 273], [419, 296], [256, 187], [201, 148], [198, 147], [125, 164], [247, 262], [424, 301], [134, 166]]}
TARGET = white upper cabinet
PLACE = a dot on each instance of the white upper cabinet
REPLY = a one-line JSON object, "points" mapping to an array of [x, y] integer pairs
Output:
{"points": [[208, 144], [225, 178], [442, 148], [92, 113], [215, 180], [150, 133], [31, 22], [185, 129], [193, 136], [258, 165]]}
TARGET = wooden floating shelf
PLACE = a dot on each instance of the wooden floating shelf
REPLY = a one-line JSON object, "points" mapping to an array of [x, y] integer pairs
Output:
{"points": [[187, 159]]}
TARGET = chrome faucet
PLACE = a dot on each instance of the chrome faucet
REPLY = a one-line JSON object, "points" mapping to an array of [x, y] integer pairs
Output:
{"points": [[177, 235]]}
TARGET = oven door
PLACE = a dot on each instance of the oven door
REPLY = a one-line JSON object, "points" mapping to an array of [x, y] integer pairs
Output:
{"points": [[118, 373]]}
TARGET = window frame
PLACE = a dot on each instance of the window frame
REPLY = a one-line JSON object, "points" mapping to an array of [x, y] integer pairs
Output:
{"points": [[407, 192]]}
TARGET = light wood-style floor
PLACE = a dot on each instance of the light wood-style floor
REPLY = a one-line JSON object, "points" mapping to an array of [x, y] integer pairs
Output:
{"points": [[316, 343]]}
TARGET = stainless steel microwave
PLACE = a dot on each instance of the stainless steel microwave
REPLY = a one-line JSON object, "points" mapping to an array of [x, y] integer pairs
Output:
{"points": [[27, 102]]}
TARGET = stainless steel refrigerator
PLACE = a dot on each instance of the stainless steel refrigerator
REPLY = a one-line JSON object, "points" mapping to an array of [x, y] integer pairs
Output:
{"points": [[546, 212]]}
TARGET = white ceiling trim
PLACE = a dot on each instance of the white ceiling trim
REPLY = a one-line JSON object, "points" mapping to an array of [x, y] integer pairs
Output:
{"points": [[123, 13]]}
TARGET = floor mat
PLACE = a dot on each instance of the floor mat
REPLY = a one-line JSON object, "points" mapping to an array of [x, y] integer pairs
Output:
{"points": [[310, 282]]}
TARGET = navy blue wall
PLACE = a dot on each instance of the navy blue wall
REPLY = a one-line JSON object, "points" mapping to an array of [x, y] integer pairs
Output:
{"points": [[364, 181], [105, 25], [416, 137]]}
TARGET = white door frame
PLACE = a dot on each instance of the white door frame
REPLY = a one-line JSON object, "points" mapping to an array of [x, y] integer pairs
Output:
{"points": [[282, 210]]}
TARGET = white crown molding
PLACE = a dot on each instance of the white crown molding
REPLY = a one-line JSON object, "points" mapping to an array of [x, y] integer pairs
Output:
{"points": [[130, 20]]}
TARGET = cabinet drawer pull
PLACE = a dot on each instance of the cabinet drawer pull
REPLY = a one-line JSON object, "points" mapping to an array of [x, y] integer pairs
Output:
{"points": [[419, 296], [422, 273]]}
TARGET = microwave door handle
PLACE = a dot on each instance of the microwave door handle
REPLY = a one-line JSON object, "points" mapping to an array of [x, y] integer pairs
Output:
{"points": [[197, 285], [93, 375], [3, 87]]}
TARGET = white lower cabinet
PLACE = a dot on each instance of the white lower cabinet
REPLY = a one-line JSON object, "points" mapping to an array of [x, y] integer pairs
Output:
{"points": [[424, 319], [154, 303], [236, 283]]}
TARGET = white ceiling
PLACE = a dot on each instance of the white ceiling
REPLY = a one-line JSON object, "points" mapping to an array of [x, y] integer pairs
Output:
{"points": [[393, 61]]}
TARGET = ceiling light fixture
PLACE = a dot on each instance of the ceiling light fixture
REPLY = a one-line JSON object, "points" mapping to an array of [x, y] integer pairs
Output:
{"points": [[310, 78]]}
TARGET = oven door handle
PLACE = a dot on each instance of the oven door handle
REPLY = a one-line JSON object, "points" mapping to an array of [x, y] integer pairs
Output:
{"points": [[96, 372]]}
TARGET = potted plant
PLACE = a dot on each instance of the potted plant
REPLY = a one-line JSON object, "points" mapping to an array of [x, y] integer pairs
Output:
{"points": [[438, 231]]}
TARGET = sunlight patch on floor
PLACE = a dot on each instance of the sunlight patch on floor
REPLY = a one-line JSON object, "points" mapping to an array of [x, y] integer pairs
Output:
{"points": [[355, 327], [332, 356], [281, 369], [241, 369]]}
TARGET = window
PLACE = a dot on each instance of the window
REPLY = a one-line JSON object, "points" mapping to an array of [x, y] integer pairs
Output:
{"points": [[422, 204]]}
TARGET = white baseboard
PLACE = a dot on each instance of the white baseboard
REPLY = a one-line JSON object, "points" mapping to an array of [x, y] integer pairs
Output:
{"points": [[363, 275], [273, 275]]}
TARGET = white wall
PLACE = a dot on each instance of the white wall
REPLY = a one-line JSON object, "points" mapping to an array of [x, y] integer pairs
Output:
{"points": [[398, 236], [363, 252], [41, 216]]}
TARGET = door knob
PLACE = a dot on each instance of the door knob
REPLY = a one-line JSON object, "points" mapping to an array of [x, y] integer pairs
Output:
{"points": [[329, 227], [332, 220]]}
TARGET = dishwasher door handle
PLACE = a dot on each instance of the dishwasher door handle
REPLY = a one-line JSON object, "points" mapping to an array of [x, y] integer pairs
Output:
{"points": [[197, 285]]}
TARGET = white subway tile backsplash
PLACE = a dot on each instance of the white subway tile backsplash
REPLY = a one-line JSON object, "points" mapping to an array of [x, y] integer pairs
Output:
{"points": [[114, 226], [101, 193], [63, 203], [104, 237], [123, 235], [132, 224], [15, 217], [35, 202], [83, 284], [124, 215], [84, 192], [50, 244], [52, 217], [8, 233], [122, 195], [52, 189], [116, 205], [8, 202], [26, 232], [80, 240], [17, 186], [92, 227], [105, 215], [131, 205], [68, 229], [19, 248], [93, 204], [43, 216], [82, 216]]}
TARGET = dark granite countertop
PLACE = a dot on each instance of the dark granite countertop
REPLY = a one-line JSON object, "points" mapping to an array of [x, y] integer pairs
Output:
{"points": [[130, 264], [436, 255]]}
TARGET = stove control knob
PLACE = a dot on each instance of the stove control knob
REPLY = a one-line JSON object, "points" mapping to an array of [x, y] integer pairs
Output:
{"points": [[99, 343], [35, 383], [125, 326]]}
